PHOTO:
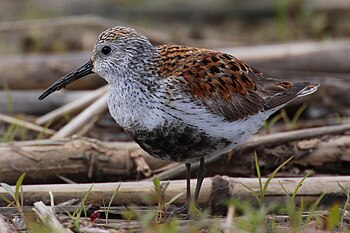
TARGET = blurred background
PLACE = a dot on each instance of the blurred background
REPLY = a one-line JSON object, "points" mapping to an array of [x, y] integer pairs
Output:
{"points": [[42, 40], [210, 23], [70, 137]]}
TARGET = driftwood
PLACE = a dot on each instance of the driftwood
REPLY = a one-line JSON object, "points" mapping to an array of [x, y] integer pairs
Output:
{"points": [[77, 158], [214, 191], [328, 56], [47, 159], [325, 149]]}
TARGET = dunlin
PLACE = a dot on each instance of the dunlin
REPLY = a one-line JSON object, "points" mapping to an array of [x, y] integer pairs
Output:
{"points": [[181, 103]]}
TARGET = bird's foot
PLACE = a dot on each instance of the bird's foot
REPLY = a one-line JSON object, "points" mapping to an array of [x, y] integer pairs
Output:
{"points": [[183, 210], [186, 211]]}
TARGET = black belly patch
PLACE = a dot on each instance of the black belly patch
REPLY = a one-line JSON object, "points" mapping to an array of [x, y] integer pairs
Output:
{"points": [[179, 143]]}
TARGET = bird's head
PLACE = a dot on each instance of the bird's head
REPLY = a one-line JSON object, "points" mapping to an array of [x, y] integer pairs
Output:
{"points": [[116, 50]]}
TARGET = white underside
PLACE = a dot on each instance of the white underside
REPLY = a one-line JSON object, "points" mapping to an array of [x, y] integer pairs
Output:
{"points": [[128, 110]]}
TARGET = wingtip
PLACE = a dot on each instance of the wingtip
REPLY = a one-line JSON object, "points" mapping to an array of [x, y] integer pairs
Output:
{"points": [[309, 89]]}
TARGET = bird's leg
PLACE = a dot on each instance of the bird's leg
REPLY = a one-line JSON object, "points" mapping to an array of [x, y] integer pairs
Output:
{"points": [[200, 177], [185, 207]]}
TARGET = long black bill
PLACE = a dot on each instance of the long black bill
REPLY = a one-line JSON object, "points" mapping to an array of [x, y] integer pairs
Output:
{"points": [[71, 77]]}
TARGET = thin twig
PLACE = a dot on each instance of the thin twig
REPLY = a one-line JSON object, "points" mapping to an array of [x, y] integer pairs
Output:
{"points": [[25, 124], [73, 106], [47, 217], [95, 109], [230, 225], [88, 126], [213, 189]]}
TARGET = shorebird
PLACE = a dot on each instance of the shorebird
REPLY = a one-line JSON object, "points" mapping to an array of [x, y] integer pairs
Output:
{"points": [[181, 103]]}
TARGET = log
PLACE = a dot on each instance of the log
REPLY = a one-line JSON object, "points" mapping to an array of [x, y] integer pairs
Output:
{"points": [[214, 191], [80, 159], [330, 56], [90, 159], [329, 154]]}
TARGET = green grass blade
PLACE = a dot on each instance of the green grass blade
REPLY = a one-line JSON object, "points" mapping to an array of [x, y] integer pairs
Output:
{"points": [[257, 168], [333, 217], [156, 182], [313, 208], [298, 114], [268, 124], [18, 186], [177, 196], [256, 196], [13, 132], [285, 117], [273, 174], [346, 205], [41, 133], [8, 133], [9, 99], [110, 203], [8, 189], [85, 198], [299, 185], [284, 189], [5, 199]]}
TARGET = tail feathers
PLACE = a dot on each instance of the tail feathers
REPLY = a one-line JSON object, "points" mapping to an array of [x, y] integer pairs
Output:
{"points": [[309, 89], [290, 92]]}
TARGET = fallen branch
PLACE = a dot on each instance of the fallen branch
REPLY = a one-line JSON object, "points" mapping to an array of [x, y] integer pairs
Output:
{"points": [[214, 191], [25, 124], [43, 160]]}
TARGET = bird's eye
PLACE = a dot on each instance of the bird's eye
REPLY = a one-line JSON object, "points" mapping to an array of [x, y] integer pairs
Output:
{"points": [[106, 50]]}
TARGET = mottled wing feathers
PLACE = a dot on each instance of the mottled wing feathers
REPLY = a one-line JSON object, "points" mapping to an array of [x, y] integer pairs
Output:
{"points": [[226, 85]]}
